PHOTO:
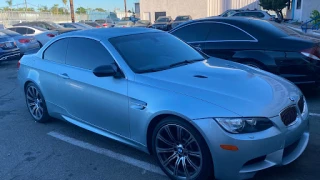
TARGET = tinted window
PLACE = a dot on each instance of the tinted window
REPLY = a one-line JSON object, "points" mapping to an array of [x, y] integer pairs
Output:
{"points": [[10, 33], [56, 51], [87, 54], [220, 32], [193, 32], [163, 50], [30, 31], [21, 30]]}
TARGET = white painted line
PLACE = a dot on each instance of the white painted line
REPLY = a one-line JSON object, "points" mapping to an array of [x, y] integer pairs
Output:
{"points": [[314, 114], [109, 153]]}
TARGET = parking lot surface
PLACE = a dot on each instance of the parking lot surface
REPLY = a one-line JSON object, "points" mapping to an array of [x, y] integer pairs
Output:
{"points": [[59, 150]]}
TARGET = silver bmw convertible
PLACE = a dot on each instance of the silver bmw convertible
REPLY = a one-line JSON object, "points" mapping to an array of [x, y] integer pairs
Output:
{"points": [[201, 117]]}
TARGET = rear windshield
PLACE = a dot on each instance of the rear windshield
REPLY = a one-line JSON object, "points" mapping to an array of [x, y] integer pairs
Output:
{"points": [[10, 33], [100, 21], [39, 28]]}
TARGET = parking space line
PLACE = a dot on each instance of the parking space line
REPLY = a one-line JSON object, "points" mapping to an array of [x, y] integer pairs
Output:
{"points": [[314, 114], [109, 153]]}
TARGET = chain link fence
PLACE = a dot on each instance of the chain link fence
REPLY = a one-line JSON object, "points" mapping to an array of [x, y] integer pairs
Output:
{"points": [[8, 18]]}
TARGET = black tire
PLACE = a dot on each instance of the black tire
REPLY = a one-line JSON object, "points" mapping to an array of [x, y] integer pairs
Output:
{"points": [[36, 103], [181, 152], [253, 64]]}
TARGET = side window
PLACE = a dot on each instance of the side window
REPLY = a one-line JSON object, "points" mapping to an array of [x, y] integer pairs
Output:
{"points": [[80, 55], [30, 31], [193, 32], [223, 32], [56, 51], [21, 30], [12, 29]]}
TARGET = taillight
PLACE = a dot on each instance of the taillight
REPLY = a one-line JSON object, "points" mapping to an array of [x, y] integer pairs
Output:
{"points": [[24, 40], [104, 25], [18, 65], [50, 35], [313, 53]]}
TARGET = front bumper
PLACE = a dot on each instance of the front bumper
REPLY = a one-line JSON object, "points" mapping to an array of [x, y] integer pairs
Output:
{"points": [[279, 145]]}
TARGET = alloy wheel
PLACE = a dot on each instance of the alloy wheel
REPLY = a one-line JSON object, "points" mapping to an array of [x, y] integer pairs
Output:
{"points": [[178, 152], [35, 102]]}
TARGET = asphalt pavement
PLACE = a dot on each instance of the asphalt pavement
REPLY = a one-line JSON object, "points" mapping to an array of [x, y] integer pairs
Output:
{"points": [[61, 151]]}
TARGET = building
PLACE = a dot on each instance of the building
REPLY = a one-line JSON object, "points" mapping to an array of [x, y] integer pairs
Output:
{"points": [[152, 9], [300, 10]]}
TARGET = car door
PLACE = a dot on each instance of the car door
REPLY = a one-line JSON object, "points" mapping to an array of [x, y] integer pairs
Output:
{"points": [[194, 34], [53, 58], [224, 40], [98, 101]]}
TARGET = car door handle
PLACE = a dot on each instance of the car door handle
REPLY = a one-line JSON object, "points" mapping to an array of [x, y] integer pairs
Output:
{"points": [[64, 76]]}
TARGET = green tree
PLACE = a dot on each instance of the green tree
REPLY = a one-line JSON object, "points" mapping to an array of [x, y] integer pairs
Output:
{"points": [[81, 10], [43, 9], [9, 2], [65, 4], [275, 5], [315, 14], [100, 10], [55, 9]]}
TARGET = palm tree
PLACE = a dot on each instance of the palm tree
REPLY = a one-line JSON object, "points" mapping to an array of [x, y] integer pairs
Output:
{"points": [[65, 3], [9, 2]]}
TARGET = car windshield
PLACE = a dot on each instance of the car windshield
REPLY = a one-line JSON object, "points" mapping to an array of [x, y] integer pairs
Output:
{"points": [[143, 22], [182, 18], [54, 25], [230, 13], [163, 20], [10, 33], [164, 51]]}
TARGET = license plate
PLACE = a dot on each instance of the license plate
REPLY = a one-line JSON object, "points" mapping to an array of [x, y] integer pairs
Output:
{"points": [[8, 44]]}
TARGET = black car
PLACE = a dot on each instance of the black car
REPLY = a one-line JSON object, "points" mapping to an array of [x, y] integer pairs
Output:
{"points": [[8, 48], [261, 44], [179, 20], [46, 25], [163, 23]]}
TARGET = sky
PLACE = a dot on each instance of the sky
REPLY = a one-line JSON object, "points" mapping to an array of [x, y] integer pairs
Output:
{"points": [[105, 4]]}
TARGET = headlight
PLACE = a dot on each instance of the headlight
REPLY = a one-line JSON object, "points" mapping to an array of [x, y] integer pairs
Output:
{"points": [[244, 125]]}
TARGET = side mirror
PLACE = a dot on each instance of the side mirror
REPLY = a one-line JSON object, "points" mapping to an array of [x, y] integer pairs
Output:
{"points": [[107, 70]]}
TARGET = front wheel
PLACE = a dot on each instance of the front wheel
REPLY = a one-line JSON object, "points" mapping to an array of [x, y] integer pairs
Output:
{"points": [[181, 151]]}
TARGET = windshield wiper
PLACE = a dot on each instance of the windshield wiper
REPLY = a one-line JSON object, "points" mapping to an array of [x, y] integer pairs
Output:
{"points": [[185, 62]]}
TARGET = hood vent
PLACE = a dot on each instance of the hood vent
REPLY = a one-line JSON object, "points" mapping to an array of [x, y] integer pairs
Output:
{"points": [[200, 76]]}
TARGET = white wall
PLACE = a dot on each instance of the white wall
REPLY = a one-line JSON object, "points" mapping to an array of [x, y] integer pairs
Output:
{"points": [[307, 7], [216, 7]]}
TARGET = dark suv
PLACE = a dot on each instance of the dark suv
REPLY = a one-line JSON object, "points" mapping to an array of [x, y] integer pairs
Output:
{"points": [[163, 23], [46, 25], [8, 48]]}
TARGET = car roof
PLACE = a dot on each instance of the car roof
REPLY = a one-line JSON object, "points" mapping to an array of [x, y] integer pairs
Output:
{"points": [[107, 33]]}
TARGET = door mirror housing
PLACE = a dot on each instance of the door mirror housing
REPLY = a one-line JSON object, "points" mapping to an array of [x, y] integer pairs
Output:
{"points": [[107, 70]]}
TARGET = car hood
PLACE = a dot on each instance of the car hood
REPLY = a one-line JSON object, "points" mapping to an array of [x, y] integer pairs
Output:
{"points": [[241, 89]]}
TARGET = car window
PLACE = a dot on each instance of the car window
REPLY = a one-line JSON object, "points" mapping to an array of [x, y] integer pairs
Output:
{"points": [[163, 51], [12, 29], [21, 30], [87, 53], [56, 51], [10, 33], [193, 32], [42, 25], [30, 31], [223, 32]]}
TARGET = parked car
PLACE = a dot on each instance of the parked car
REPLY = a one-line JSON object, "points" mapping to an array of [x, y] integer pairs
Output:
{"points": [[107, 23], [143, 23], [252, 13], [26, 44], [124, 24], [76, 25], [180, 19], [261, 44], [211, 117], [163, 23], [228, 12], [92, 24], [42, 35], [46, 25], [8, 48]]}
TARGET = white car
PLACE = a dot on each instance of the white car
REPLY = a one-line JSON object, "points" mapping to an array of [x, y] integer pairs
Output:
{"points": [[42, 35]]}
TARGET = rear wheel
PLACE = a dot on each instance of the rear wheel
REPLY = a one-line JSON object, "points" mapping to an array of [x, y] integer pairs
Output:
{"points": [[36, 103], [181, 151]]}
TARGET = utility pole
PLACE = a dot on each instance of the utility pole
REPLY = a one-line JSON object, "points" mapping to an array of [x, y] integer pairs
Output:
{"points": [[25, 11], [72, 11], [125, 7]]}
